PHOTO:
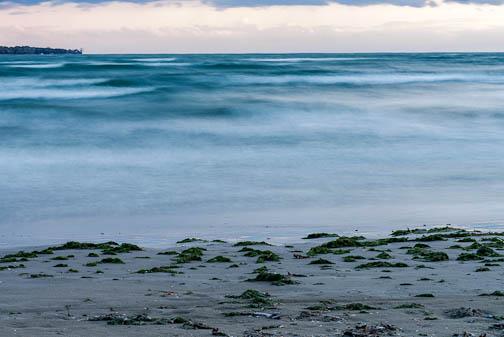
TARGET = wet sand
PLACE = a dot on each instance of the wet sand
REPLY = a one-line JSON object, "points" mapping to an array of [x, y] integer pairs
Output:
{"points": [[311, 299]]}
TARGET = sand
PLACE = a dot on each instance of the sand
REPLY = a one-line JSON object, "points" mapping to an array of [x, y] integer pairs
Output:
{"points": [[66, 303]]}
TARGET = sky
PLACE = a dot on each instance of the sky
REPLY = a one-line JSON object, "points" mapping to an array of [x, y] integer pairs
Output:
{"points": [[262, 26]]}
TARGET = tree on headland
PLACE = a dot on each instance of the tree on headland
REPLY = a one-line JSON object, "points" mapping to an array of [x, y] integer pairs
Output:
{"points": [[18, 50]]}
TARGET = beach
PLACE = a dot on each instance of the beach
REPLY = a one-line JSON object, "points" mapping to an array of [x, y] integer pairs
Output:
{"points": [[425, 282]]}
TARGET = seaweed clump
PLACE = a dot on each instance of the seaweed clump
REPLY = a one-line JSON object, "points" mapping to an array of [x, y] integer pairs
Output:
{"points": [[262, 255], [256, 298], [429, 238], [345, 241], [111, 260], [409, 306], [321, 261], [384, 256], [162, 269], [320, 235], [495, 293], [12, 266], [123, 248], [187, 240], [251, 243], [408, 231], [190, 254], [75, 245], [353, 258], [325, 305], [274, 278], [381, 264], [358, 306], [468, 257], [142, 319], [170, 252], [430, 256], [486, 251], [318, 250], [220, 258]]}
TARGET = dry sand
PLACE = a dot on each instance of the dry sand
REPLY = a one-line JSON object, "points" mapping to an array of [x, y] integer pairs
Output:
{"points": [[64, 303]]}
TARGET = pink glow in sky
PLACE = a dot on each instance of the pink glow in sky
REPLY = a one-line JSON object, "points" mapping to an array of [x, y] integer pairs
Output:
{"points": [[194, 27]]}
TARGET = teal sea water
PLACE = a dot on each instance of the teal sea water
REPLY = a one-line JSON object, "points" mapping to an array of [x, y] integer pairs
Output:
{"points": [[151, 148]]}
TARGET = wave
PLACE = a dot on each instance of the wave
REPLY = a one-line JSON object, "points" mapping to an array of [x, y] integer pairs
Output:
{"points": [[159, 59], [37, 66], [159, 64], [105, 63], [47, 93], [39, 88], [101, 66], [308, 59], [17, 62], [368, 79], [26, 83]]}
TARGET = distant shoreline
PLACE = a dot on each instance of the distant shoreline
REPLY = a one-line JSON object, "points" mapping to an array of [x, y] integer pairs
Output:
{"points": [[27, 50]]}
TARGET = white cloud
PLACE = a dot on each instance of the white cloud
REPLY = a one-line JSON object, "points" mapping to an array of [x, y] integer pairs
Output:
{"points": [[195, 27]]}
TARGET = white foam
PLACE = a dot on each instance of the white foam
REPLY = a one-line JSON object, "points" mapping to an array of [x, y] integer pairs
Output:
{"points": [[308, 59], [158, 64], [46, 93], [369, 79], [36, 88], [17, 62], [38, 66], [160, 59], [104, 63], [24, 83]]}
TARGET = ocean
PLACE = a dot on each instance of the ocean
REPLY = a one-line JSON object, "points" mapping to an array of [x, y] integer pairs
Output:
{"points": [[152, 148]]}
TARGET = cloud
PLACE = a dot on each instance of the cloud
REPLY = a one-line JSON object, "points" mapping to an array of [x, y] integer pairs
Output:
{"points": [[246, 3], [487, 2], [195, 27], [222, 4], [259, 3]]}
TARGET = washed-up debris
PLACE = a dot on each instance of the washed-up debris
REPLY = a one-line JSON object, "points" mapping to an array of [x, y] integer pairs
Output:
{"points": [[305, 315], [328, 318], [216, 332], [300, 256], [365, 330], [256, 333], [468, 334], [116, 318], [275, 315], [465, 312], [190, 325]]}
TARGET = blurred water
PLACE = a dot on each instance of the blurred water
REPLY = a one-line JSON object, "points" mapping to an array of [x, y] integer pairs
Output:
{"points": [[155, 147]]}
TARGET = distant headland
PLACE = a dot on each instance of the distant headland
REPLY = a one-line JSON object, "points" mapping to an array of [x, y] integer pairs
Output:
{"points": [[19, 50]]}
